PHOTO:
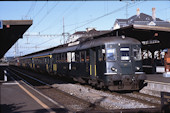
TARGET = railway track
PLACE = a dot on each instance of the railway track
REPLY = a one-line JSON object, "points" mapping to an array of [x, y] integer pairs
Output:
{"points": [[71, 102], [143, 98], [146, 99]]}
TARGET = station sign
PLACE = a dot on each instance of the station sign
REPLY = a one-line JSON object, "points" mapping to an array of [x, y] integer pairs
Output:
{"points": [[165, 101], [1, 24]]}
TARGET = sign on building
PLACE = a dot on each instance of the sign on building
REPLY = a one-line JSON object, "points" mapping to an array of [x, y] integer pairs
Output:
{"points": [[1, 24]]}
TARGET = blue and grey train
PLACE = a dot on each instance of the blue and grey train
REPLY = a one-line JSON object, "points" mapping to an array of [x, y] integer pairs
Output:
{"points": [[112, 62]]}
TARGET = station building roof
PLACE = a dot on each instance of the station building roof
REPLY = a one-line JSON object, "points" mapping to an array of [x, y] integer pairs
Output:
{"points": [[10, 32]]}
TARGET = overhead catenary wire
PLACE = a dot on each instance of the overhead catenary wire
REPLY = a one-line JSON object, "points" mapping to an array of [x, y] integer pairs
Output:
{"points": [[32, 7], [107, 14], [48, 12], [63, 13], [45, 41], [41, 9]]}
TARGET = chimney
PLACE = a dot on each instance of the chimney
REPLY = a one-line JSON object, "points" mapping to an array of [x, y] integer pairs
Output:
{"points": [[153, 14], [89, 29], [138, 12]]}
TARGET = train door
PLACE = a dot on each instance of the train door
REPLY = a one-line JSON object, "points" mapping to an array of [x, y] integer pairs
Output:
{"points": [[51, 63], [93, 63]]}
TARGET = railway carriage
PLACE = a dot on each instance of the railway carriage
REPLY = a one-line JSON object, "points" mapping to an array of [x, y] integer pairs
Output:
{"points": [[111, 62]]}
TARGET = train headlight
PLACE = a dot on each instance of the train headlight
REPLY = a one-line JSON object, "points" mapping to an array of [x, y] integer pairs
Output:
{"points": [[138, 68], [113, 69], [133, 78]]}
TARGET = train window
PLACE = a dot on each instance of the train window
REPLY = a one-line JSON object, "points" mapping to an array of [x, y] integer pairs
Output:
{"points": [[48, 60], [65, 54], [111, 54], [100, 56], [82, 56], [73, 56], [45, 60], [41, 60], [77, 57], [59, 57], [36, 60], [63, 57], [61, 60], [87, 56], [104, 54], [137, 54], [69, 57], [124, 52], [33, 60], [54, 58]]}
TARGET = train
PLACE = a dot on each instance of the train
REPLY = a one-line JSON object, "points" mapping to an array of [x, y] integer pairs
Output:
{"points": [[112, 62]]}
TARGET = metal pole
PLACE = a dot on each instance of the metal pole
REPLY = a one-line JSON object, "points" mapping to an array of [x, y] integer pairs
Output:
{"points": [[63, 31], [5, 76]]}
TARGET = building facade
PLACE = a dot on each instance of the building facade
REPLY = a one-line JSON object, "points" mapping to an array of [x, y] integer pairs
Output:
{"points": [[141, 19]]}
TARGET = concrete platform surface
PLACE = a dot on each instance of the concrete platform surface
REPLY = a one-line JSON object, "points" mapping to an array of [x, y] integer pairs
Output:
{"points": [[157, 83], [19, 98], [158, 78]]}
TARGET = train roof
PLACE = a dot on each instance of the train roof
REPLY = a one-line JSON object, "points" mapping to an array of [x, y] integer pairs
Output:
{"points": [[42, 52], [107, 40], [89, 42], [97, 42]]}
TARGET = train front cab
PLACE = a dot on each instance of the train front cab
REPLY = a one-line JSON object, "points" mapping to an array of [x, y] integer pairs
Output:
{"points": [[124, 67]]}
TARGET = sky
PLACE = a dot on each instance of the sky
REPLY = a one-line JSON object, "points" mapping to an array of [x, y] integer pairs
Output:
{"points": [[48, 18]]}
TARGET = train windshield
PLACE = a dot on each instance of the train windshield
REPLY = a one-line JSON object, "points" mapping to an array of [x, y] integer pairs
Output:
{"points": [[124, 52], [137, 54], [111, 54]]}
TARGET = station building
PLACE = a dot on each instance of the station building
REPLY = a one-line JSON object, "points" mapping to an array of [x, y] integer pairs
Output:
{"points": [[141, 19], [89, 32]]}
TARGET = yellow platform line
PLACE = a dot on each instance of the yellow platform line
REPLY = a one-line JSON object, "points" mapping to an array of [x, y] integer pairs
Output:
{"points": [[36, 99]]}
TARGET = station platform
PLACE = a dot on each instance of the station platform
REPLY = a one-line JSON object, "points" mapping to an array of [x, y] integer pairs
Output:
{"points": [[158, 78], [157, 83], [18, 97]]}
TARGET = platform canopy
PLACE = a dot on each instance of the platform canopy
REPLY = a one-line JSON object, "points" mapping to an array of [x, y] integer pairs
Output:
{"points": [[10, 32], [152, 37]]}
